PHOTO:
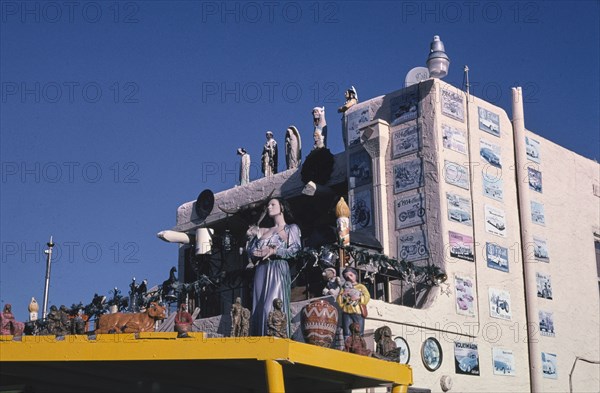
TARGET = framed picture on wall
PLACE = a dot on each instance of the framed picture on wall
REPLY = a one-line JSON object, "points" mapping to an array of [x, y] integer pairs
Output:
{"points": [[431, 354], [403, 350]]}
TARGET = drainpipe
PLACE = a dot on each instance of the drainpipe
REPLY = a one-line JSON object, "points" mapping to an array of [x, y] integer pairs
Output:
{"points": [[524, 205]]}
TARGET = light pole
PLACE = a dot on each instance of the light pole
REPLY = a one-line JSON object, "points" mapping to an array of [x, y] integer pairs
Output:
{"points": [[48, 252]]}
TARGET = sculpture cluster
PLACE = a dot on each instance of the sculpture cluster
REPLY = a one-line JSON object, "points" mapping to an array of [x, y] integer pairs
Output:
{"points": [[293, 147]]}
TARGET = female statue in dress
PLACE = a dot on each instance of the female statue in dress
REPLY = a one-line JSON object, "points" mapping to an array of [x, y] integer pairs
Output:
{"points": [[272, 280]]}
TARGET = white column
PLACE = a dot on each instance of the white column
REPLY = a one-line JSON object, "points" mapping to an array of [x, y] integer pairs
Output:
{"points": [[374, 137]]}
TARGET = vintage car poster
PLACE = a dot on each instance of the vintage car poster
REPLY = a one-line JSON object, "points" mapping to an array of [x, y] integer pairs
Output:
{"points": [[537, 213], [355, 120], [456, 174], [360, 168], [461, 246], [490, 153], [546, 323], [410, 211], [504, 362], [459, 209], [466, 358], [412, 246], [408, 175], [540, 249], [500, 304], [549, 363], [495, 221], [405, 140], [535, 179], [532, 148], [497, 257], [452, 105], [492, 186], [544, 285], [454, 139], [489, 121], [404, 108], [465, 295], [361, 214]]}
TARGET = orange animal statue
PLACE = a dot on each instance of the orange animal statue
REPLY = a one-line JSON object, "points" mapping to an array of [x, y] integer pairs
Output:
{"points": [[131, 322]]}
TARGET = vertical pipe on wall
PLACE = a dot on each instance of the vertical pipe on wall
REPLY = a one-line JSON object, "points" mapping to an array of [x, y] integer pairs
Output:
{"points": [[518, 120]]}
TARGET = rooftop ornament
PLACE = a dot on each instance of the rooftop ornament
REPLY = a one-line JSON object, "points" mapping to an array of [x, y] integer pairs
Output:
{"points": [[438, 61]]}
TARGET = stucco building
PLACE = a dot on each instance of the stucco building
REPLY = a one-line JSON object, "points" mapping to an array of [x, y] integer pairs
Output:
{"points": [[497, 229]]}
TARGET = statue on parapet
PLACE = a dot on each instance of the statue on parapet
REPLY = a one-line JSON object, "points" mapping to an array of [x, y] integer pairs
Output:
{"points": [[351, 100], [293, 148], [320, 131], [244, 166], [269, 157]]}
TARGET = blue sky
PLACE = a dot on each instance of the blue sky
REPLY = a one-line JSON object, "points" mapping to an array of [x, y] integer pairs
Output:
{"points": [[114, 114]]}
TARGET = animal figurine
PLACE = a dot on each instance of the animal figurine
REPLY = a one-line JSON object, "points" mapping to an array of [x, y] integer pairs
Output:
{"points": [[131, 322], [333, 284]]}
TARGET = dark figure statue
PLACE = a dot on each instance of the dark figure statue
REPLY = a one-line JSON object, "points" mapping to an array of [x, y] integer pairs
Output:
{"points": [[240, 319], [386, 347], [170, 286], [277, 320]]}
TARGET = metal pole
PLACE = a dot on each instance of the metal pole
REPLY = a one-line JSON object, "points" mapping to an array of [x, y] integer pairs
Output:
{"points": [[275, 382], [48, 252]]}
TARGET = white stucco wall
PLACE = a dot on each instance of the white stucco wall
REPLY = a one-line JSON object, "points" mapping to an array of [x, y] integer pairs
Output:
{"points": [[572, 221], [571, 215]]}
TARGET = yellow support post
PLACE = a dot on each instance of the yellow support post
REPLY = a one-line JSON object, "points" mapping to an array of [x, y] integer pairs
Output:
{"points": [[399, 388], [274, 371]]}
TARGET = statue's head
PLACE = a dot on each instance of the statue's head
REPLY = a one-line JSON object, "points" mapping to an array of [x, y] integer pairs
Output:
{"points": [[157, 311], [269, 135], [318, 115], [329, 273]]}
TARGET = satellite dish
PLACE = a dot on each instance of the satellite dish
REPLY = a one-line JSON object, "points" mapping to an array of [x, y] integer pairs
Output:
{"points": [[204, 204], [416, 75]]}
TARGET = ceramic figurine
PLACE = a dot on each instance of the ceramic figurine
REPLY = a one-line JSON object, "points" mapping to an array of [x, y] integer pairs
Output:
{"points": [[333, 285], [269, 156], [8, 324], [244, 166], [183, 321], [293, 148], [356, 343], [33, 309], [353, 299]]}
